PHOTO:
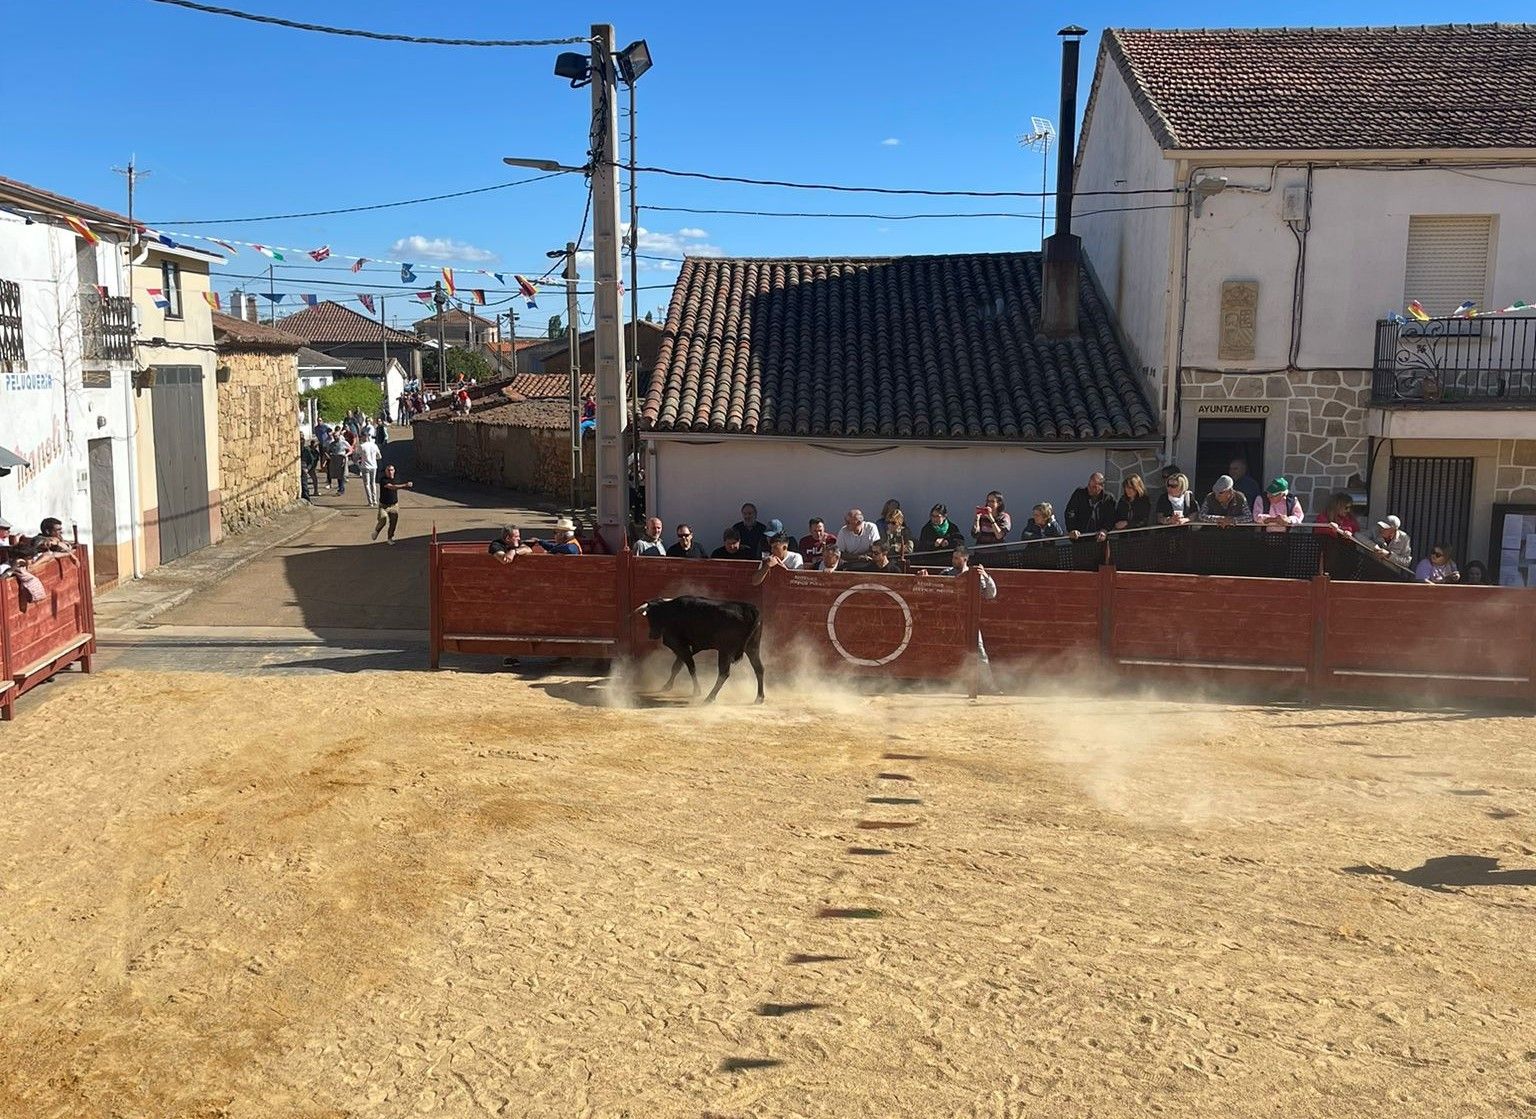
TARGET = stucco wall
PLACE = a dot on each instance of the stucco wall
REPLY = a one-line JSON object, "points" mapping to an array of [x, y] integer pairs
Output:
{"points": [[530, 460], [705, 483], [258, 436], [1126, 247]]}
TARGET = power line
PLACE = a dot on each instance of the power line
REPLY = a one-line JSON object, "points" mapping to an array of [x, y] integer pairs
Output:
{"points": [[899, 190], [903, 217], [355, 209], [430, 40]]}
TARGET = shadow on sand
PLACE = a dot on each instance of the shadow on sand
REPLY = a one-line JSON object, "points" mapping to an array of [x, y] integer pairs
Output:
{"points": [[1447, 871]]}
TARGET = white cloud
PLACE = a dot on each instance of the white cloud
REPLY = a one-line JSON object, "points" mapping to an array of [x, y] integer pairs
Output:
{"points": [[889, 142], [692, 232], [440, 248], [688, 241]]}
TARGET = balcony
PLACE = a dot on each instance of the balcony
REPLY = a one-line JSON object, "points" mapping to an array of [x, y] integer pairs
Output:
{"points": [[1451, 363], [106, 326]]}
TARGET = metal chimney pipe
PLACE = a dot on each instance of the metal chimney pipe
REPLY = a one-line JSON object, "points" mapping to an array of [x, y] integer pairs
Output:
{"points": [[1061, 259], [1066, 141]]}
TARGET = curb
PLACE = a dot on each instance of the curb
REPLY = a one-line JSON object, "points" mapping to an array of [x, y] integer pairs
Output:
{"points": [[176, 598]]}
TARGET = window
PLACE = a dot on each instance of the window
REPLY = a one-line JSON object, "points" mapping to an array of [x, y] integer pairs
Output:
{"points": [[13, 354], [170, 284], [1448, 261]]}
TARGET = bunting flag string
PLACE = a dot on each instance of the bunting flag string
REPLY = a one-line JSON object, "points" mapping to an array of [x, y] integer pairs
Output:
{"points": [[367, 301], [85, 231], [318, 255], [226, 246], [528, 290], [310, 300], [275, 297], [357, 265], [212, 299], [424, 296], [448, 280], [157, 296], [477, 295], [406, 275], [271, 254], [1467, 310]]}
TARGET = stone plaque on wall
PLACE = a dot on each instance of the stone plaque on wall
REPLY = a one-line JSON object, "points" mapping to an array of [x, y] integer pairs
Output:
{"points": [[1239, 313]]}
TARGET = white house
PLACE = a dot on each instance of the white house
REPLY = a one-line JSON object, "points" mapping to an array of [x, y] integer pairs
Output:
{"points": [[316, 370], [809, 387], [66, 387], [1262, 205]]}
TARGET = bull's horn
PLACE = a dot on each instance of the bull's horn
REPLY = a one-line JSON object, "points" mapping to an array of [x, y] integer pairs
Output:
{"points": [[641, 609]]}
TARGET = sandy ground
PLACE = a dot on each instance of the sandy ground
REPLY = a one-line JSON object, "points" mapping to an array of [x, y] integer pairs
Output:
{"points": [[389, 894]]}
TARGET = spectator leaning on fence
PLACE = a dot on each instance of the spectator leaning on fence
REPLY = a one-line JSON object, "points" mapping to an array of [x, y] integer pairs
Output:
{"points": [[897, 540], [1340, 515], [1041, 524], [52, 538], [940, 534], [814, 541], [831, 557], [778, 555], [20, 569], [649, 542], [856, 535], [884, 522], [1438, 568], [564, 542], [959, 565], [1134, 509], [1390, 542], [1090, 509], [1278, 509], [1177, 505], [509, 545], [686, 546], [1225, 505]]}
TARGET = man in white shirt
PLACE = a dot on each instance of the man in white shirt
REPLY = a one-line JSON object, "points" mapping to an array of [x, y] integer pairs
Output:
{"points": [[856, 535], [778, 555], [650, 543], [366, 455]]}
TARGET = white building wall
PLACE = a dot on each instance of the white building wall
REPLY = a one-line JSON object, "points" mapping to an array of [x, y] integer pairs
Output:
{"points": [[46, 414], [705, 483], [1127, 248]]}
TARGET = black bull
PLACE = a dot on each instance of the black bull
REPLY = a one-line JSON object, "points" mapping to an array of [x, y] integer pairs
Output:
{"points": [[688, 625]]}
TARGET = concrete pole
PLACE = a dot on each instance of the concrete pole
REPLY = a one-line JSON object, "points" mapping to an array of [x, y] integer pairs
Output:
{"points": [[608, 332], [573, 364]]}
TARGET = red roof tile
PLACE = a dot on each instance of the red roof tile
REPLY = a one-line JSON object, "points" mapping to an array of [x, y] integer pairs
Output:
{"points": [[904, 347], [1454, 86], [234, 333], [328, 323]]}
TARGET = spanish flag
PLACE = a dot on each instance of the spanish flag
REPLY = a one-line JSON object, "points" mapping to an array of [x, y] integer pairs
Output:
{"points": [[82, 229], [213, 300], [448, 280], [1416, 309], [477, 295]]}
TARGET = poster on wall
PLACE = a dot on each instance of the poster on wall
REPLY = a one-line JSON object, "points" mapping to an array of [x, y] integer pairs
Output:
{"points": [[1514, 527]]}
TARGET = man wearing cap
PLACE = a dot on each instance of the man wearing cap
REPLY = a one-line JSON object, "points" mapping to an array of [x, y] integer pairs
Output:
{"points": [[1276, 509], [1389, 541], [649, 543], [564, 542], [1225, 504]]}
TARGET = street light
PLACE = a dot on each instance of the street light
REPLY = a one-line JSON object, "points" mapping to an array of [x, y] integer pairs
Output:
{"points": [[634, 60], [549, 165]]}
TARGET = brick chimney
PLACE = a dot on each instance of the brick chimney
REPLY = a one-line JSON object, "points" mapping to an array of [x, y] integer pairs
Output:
{"points": [[1062, 254]]}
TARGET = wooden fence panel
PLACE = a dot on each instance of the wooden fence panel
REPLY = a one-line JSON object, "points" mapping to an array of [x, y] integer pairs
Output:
{"points": [[1044, 620], [866, 624], [536, 605], [39, 639], [1422, 640], [651, 577], [1212, 627]]}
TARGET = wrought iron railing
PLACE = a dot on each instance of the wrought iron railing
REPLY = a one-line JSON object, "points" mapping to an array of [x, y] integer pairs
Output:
{"points": [[13, 353], [106, 326], [1299, 552], [1456, 361]]}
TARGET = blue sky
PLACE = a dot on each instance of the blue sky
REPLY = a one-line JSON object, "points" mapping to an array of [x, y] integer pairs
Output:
{"points": [[236, 119]]}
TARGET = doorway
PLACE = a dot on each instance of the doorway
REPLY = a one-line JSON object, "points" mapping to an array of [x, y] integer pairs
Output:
{"points": [[1221, 441], [1433, 496], [103, 512], [181, 460]]}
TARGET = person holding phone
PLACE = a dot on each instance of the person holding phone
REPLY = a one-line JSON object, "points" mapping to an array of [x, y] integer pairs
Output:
{"points": [[991, 524]]}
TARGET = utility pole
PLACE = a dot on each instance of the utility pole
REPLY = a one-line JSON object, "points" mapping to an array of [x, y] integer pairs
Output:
{"points": [[512, 330], [441, 301], [131, 434], [634, 299], [573, 360], [608, 333], [384, 372], [271, 296]]}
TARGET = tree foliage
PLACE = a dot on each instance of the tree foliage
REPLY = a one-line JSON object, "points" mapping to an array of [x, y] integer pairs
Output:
{"points": [[339, 397], [471, 363], [556, 328]]}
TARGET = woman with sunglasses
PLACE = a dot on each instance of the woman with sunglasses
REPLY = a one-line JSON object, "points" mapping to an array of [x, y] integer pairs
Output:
{"points": [[1438, 567], [1177, 505]]}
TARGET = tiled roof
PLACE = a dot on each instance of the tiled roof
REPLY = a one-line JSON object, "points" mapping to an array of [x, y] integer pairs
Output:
{"points": [[314, 359], [454, 317], [546, 386], [238, 333], [371, 366], [902, 347], [525, 413], [329, 323], [1454, 86], [46, 200]]}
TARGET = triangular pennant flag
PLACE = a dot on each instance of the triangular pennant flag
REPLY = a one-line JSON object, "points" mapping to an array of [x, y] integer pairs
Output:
{"points": [[1517, 305], [158, 297], [448, 280], [406, 275], [272, 254], [366, 301], [164, 239], [226, 246], [82, 229], [424, 296], [212, 298], [275, 297], [528, 290], [1466, 311], [317, 255], [1416, 309], [101, 290], [357, 265], [500, 279], [310, 300], [478, 295]]}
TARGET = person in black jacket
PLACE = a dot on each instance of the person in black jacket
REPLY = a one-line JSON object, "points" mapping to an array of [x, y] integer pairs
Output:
{"points": [[1090, 509], [1134, 510], [686, 547], [940, 534]]}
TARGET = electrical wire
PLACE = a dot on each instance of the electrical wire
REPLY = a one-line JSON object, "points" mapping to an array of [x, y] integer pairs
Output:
{"points": [[843, 188], [902, 217], [430, 40], [358, 209]]}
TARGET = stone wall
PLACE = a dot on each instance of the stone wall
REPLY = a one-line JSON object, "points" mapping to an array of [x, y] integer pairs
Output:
{"points": [[1119, 464], [258, 435], [1516, 479], [530, 460], [1324, 416]]}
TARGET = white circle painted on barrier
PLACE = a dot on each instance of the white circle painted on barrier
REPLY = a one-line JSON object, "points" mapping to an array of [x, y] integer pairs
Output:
{"points": [[906, 625]]}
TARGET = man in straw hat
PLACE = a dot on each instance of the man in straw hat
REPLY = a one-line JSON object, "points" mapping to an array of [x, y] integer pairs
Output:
{"points": [[564, 541]]}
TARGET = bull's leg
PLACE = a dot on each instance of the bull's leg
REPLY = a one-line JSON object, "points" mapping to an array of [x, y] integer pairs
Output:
{"points": [[756, 657], [725, 674], [684, 656]]}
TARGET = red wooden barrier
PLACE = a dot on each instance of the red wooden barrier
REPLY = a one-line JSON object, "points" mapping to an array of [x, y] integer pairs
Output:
{"points": [[1275, 636], [39, 639]]}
